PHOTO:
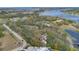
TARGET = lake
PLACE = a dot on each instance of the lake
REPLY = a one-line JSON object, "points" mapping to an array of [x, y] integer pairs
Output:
{"points": [[59, 13], [74, 35]]}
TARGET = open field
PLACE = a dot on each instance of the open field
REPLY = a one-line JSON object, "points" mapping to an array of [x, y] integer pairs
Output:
{"points": [[7, 42]]}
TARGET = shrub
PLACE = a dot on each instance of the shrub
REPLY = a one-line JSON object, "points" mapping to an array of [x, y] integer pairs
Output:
{"points": [[1, 32]]}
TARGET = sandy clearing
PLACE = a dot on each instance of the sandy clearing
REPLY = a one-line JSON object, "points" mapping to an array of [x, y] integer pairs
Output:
{"points": [[7, 42]]}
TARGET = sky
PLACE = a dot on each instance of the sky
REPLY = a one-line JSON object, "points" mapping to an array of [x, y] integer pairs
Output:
{"points": [[42, 3]]}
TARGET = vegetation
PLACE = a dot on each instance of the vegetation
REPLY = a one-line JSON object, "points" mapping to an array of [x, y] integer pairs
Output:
{"points": [[40, 31], [1, 32], [69, 21], [34, 26], [73, 12]]}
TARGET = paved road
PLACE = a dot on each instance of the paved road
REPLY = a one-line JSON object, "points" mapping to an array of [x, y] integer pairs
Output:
{"points": [[22, 42]]}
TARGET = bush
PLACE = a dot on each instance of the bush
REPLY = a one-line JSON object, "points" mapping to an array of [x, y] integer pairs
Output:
{"points": [[35, 42], [1, 32], [56, 43]]}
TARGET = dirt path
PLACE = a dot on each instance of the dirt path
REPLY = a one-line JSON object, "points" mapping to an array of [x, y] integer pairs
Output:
{"points": [[21, 42]]}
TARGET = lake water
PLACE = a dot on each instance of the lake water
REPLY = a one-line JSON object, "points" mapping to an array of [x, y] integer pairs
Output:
{"points": [[74, 35], [59, 13]]}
